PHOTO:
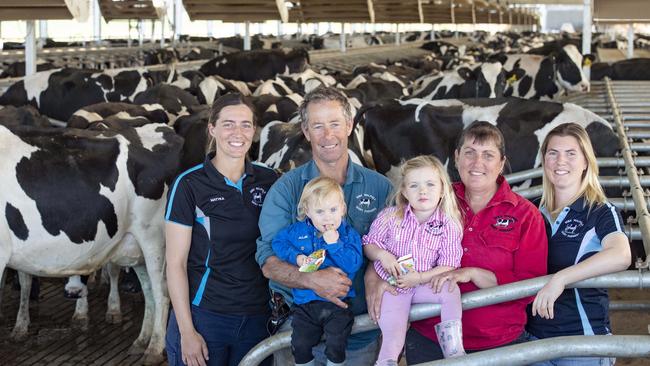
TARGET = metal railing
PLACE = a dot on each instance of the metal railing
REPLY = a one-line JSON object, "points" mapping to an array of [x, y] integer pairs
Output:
{"points": [[636, 187], [552, 348], [470, 300]]}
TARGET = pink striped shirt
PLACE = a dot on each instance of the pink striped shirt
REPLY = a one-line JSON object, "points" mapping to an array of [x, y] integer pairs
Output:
{"points": [[435, 242]]}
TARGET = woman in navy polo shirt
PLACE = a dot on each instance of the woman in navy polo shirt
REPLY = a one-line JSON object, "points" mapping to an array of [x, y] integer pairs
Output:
{"points": [[218, 293], [587, 240]]}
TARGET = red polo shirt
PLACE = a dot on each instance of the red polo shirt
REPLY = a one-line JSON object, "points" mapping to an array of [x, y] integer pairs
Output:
{"points": [[508, 238]]}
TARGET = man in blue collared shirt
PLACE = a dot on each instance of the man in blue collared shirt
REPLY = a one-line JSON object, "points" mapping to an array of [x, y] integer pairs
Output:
{"points": [[326, 121]]}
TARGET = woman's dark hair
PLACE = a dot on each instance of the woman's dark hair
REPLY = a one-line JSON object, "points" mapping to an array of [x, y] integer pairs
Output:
{"points": [[481, 132], [228, 100]]}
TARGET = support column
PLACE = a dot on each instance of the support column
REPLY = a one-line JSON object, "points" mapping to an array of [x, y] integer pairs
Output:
{"points": [[433, 32], [316, 28], [247, 36], [279, 28], [210, 27], [140, 32], [153, 31], [586, 34], [97, 22], [630, 40], [30, 48], [342, 38], [178, 19], [397, 35], [162, 31], [42, 33]]}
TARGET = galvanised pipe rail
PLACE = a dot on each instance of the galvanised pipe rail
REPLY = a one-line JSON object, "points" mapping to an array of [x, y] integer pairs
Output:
{"points": [[605, 181], [636, 184], [552, 348], [602, 163], [470, 300]]}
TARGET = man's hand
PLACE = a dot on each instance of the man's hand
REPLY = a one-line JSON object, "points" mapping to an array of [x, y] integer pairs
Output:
{"points": [[331, 235], [330, 284], [375, 289]]}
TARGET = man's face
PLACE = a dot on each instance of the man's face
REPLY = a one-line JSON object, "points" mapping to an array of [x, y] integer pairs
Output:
{"points": [[327, 130]]}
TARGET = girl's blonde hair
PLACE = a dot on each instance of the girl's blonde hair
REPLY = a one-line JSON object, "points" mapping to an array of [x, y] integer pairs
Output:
{"points": [[447, 203], [317, 190], [590, 188]]}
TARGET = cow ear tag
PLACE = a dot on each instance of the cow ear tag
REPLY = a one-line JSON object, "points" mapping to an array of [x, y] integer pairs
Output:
{"points": [[512, 79], [587, 62]]}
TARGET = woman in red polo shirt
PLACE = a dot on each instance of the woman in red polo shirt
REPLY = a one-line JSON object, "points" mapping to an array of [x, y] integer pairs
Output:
{"points": [[504, 241]]}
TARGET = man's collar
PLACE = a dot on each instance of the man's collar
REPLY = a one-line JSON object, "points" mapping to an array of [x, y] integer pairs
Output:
{"points": [[352, 175]]}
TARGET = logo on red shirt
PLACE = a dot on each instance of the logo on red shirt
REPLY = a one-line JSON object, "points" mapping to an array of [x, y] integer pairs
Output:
{"points": [[504, 223]]}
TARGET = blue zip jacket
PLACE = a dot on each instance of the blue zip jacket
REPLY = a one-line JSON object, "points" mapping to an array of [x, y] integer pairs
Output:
{"points": [[303, 238]]}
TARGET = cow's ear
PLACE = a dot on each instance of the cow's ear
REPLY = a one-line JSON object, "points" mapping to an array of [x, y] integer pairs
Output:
{"points": [[465, 72], [514, 75]]}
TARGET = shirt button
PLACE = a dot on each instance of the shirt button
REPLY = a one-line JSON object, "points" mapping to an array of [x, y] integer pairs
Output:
{"points": [[471, 229], [465, 249], [302, 248]]}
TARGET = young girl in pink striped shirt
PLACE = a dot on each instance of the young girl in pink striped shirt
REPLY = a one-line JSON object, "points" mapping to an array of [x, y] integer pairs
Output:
{"points": [[424, 223]]}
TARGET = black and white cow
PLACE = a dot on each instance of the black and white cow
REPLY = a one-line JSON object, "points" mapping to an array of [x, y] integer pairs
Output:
{"points": [[212, 87], [86, 198], [98, 112], [17, 69], [401, 130], [632, 69], [61, 92], [544, 77], [486, 80], [257, 65], [11, 116]]}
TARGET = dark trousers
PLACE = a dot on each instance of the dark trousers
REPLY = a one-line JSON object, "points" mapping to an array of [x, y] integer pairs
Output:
{"points": [[228, 337], [420, 349], [313, 319]]}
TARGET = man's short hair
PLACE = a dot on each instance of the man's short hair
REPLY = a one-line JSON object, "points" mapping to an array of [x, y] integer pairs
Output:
{"points": [[321, 94]]}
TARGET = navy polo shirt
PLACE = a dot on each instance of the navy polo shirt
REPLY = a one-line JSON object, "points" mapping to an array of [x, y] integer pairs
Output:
{"points": [[576, 235], [221, 268]]}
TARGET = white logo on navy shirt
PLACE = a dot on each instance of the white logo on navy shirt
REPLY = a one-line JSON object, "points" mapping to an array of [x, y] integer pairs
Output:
{"points": [[365, 203], [215, 199], [572, 228], [257, 194]]}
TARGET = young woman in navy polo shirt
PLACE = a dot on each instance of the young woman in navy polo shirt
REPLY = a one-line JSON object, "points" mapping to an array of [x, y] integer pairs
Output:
{"points": [[219, 295], [587, 240]]}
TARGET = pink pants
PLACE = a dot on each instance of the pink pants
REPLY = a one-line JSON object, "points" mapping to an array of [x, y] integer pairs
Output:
{"points": [[393, 319]]}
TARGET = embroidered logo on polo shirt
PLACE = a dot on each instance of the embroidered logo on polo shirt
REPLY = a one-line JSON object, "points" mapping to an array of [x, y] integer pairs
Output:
{"points": [[217, 199], [366, 203], [434, 227], [257, 194], [572, 228], [303, 237], [504, 223]]}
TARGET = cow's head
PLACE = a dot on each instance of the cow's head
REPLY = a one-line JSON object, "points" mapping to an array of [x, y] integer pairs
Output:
{"points": [[484, 81], [297, 60], [569, 64]]}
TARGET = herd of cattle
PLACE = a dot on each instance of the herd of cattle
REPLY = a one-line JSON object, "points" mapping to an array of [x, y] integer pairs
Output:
{"points": [[88, 154]]}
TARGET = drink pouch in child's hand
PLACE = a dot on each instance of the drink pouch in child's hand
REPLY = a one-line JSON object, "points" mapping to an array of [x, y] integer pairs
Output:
{"points": [[406, 264], [313, 261]]}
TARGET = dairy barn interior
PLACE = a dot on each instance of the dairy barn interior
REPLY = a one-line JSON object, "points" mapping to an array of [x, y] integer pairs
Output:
{"points": [[57, 55]]}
